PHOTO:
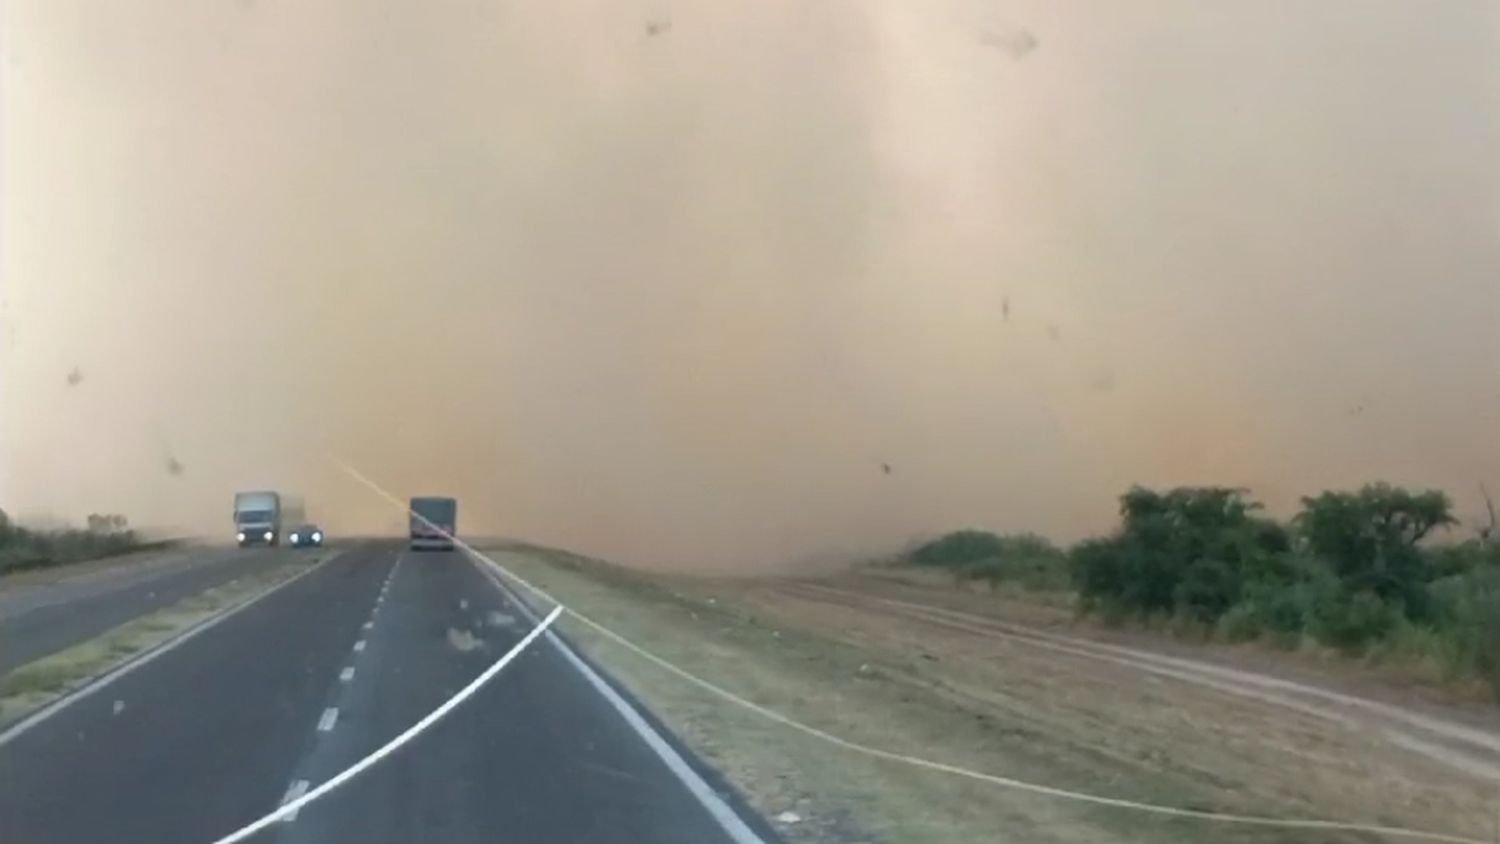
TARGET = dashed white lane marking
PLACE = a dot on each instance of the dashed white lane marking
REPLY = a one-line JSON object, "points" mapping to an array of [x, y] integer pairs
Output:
{"points": [[347, 674], [359, 646], [391, 746], [330, 717], [367, 625], [293, 791]]}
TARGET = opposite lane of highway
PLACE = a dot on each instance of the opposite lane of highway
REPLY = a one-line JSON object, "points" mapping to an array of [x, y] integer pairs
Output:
{"points": [[303, 684], [37, 620]]}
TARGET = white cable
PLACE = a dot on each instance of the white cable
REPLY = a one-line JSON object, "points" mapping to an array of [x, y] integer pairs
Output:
{"points": [[1007, 782], [389, 747]]}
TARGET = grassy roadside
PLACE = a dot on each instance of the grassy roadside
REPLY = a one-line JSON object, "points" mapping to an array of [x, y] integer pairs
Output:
{"points": [[38, 683], [966, 703], [146, 556]]}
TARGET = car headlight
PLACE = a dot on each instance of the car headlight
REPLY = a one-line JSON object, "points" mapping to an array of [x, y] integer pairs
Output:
{"points": [[294, 537], [317, 536], [270, 536], [240, 537]]}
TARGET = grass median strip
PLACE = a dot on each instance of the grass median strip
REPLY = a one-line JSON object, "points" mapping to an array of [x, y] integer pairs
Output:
{"points": [[38, 683]]}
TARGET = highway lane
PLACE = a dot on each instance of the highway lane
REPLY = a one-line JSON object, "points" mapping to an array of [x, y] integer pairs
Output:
{"points": [[38, 620], [195, 742], [299, 686]]}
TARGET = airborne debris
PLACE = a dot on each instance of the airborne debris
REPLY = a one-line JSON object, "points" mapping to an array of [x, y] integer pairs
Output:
{"points": [[659, 27], [174, 466], [1005, 309], [789, 818], [119, 707], [463, 641], [886, 468], [500, 619], [75, 377]]}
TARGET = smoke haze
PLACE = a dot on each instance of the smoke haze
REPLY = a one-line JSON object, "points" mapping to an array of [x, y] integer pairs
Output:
{"points": [[720, 283]]}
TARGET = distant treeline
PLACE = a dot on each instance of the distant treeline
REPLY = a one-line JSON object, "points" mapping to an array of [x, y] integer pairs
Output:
{"points": [[29, 548], [1357, 571]]}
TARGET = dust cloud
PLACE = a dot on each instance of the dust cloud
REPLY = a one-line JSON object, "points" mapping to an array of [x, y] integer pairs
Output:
{"points": [[737, 284]]}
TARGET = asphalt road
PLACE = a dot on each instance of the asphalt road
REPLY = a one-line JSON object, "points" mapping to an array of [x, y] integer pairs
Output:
{"points": [[215, 732], [41, 619]]}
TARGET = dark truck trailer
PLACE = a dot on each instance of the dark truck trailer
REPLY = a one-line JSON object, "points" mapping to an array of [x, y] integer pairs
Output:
{"points": [[434, 523]]}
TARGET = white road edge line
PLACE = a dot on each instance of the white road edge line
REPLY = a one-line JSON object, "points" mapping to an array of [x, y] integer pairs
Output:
{"points": [[295, 790], [391, 746], [347, 674], [330, 717], [145, 657], [727, 818]]}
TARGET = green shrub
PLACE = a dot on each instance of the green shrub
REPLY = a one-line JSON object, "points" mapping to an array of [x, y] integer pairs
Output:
{"points": [[1370, 538], [1351, 622], [1447, 655], [1360, 575], [1466, 610], [1026, 559], [1458, 558], [1242, 622], [958, 549], [1186, 553], [25, 548], [1206, 590]]}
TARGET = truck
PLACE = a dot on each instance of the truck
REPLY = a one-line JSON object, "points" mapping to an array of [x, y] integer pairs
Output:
{"points": [[434, 520], [257, 518]]}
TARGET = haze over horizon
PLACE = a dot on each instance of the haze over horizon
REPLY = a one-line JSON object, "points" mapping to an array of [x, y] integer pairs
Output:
{"points": [[675, 284]]}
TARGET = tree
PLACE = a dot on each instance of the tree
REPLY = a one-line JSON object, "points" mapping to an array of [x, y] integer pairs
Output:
{"points": [[1370, 538], [1189, 551]]}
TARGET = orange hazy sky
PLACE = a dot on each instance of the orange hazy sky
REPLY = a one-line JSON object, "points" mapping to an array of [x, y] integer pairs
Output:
{"points": [[668, 282]]}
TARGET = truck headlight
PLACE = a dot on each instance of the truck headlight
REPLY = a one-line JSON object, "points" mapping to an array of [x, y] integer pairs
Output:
{"points": [[294, 538], [270, 536], [240, 537], [317, 536]]}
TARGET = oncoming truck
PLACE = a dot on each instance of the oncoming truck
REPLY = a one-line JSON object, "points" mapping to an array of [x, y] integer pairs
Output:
{"points": [[433, 523], [257, 518]]}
